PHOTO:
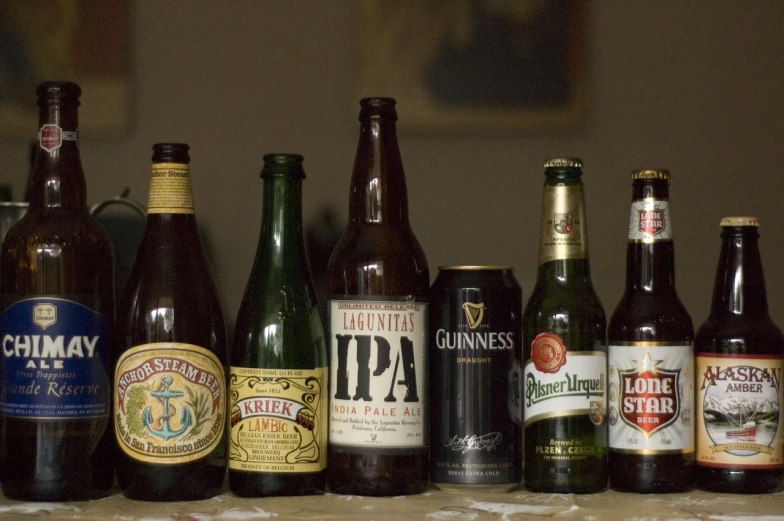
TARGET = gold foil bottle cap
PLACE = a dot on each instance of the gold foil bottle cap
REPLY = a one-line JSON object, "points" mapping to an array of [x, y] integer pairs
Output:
{"points": [[563, 162], [649, 173], [739, 221]]}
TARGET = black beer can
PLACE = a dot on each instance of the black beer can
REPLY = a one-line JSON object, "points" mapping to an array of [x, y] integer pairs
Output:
{"points": [[475, 378]]}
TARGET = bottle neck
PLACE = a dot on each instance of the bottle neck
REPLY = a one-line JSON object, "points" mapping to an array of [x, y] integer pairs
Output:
{"points": [[739, 288], [58, 179], [281, 242], [378, 184], [650, 254]]}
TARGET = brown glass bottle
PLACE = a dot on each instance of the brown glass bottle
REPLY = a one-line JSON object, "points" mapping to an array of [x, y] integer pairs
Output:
{"points": [[378, 281], [651, 355], [59, 290], [170, 384], [740, 358]]}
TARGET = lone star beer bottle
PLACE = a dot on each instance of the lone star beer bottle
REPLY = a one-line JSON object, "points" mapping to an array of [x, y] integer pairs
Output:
{"points": [[651, 355], [278, 376], [740, 357], [170, 384], [564, 347], [57, 313], [378, 280]]}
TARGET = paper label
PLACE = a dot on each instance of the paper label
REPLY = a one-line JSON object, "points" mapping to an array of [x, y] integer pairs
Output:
{"points": [[563, 229], [170, 189], [649, 221]]}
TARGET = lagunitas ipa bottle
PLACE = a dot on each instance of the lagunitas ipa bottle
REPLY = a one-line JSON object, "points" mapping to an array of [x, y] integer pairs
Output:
{"points": [[740, 357], [564, 349], [651, 355], [378, 280]]}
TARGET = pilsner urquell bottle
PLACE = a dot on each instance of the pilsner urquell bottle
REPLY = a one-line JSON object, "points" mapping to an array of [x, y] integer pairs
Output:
{"points": [[740, 357], [57, 313], [278, 376], [565, 354], [170, 384], [651, 355], [378, 281]]}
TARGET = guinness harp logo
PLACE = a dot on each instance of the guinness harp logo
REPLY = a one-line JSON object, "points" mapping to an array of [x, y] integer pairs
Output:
{"points": [[474, 313]]}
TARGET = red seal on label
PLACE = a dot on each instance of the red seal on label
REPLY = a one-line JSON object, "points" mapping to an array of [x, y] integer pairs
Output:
{"points": [[51, 137], [548, 352]]}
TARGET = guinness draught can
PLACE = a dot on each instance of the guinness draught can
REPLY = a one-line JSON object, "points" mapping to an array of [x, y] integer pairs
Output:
{"points": [[475, 378]]}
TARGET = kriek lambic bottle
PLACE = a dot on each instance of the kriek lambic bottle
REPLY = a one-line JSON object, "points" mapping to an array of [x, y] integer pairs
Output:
{"points": [[564, 350], [378, 281], [651, 355], [58, 306], [740, 357], [170, 383], [278, 376]]}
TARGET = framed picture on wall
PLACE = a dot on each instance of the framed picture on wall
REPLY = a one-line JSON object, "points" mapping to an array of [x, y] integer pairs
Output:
{"points": [[474, 66], [84, 41]]}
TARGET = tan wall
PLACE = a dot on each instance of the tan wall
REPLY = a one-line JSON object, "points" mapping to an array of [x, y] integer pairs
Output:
{"points": [[695, 87]]}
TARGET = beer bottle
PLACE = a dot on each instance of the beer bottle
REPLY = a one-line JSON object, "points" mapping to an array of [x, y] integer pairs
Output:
{"points": [[378, 281], [58, 309], [740, 357], [565, 354], [278, 376], [169, 383], [651, 355]]}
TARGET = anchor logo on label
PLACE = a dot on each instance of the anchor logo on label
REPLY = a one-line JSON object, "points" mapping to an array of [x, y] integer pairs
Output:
{"points": [[165, 432]]}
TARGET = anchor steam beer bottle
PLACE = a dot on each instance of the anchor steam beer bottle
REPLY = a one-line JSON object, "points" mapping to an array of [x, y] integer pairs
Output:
{"points": [[651, 355], [740, 357], [170, 384], [564, 346], [378, 281], [278, 377], [57, 313]]}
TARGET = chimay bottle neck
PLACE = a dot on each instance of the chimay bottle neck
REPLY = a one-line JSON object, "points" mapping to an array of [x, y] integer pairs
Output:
{"points": [[740, 285], [378, 184]]}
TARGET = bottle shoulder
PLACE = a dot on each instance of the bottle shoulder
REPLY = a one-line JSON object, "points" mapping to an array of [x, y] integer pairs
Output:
{"points": [[641, 316], [739, 334]]}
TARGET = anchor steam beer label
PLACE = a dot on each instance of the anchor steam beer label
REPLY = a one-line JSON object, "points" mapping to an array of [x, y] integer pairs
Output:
{"points": [[55, 360], [377, 392], [277, 419], [169, 402], [170, 189], [651, 392], [739, 416], [563, 218]]}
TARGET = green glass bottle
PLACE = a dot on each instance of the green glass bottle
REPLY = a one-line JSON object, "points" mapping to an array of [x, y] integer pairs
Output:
{"points": [[564, 346], [278, 374]]}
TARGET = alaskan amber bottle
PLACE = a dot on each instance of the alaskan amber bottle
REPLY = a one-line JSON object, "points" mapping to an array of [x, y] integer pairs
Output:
{"points": [[378, 282], [58, 306], [278, 376], [564, 350], [740, 357], [170, 383], [651, 355]]}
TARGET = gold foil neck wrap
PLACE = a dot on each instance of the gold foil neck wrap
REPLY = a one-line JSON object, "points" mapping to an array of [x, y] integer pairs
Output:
{"points": [[563, 228], [739, 221], [563, 162], [649, 173]]}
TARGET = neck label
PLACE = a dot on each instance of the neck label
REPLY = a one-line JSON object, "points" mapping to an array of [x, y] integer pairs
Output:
{"points": [[51, 136], [170, 189], [649, 221], [563, 224]]}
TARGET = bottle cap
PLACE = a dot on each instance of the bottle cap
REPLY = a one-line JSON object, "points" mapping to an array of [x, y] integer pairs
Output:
{"points": [[563, 162], [739, 221], [649, 173], [58, 90]]}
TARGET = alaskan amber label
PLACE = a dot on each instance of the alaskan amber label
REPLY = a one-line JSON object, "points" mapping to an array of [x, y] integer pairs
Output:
{"points": [[169, 402], [170, 189], [563, 234], [739, 418], [277, 420]]}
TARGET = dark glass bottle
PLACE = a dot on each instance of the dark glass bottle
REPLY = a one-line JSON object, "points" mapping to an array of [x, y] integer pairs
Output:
{"points": [[170, 384], [58, 307], [740, 357], [651, 355], [278, 376], [378, 281], [564, 349]]}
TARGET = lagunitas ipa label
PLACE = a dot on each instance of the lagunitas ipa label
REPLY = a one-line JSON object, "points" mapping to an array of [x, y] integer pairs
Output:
{"points": [[377, 391], [651, 397], [563, 233], [649, 221], [55, 361], [169, 402], [170, 189], [739, 417], [278, 420]]}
